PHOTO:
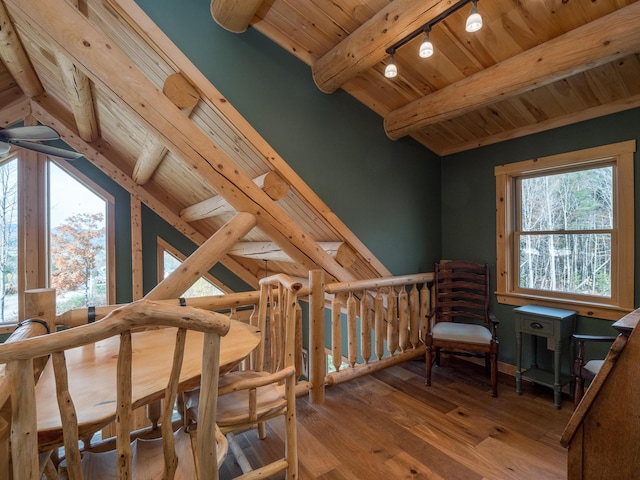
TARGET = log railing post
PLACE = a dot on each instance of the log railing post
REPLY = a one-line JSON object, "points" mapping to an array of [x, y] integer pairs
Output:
{"points": [[40, 303], [317, 358]]}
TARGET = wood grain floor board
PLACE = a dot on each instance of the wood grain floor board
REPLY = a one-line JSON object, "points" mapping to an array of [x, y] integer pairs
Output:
{"points": [[390, 426]]}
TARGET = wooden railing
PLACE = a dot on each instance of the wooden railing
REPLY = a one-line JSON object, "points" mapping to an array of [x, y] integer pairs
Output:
{"points": [[380, 321]]}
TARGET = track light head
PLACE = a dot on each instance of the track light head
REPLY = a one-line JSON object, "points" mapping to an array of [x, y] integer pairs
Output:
{"points": [[426, 48], [391, 70], [474, 21]]}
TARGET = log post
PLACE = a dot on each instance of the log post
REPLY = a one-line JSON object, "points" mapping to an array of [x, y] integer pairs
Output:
{"points": [[40, 303], [317, 358], [271, 183], [234, 15], [185, 97], [205, 257]]}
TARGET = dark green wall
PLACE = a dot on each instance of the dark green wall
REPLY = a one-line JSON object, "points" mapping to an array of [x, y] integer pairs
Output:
{"points": [[468, 200], [382, 190]]}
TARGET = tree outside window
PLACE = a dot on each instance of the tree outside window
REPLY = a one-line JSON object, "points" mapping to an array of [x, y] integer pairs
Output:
{"points": [[8, 242], [77, 242], [565, 231]]}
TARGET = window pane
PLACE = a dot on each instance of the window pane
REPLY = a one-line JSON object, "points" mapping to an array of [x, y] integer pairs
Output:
{"points": [[8, 242], [578, 200], [576, 264], [202, 287], [77, 236]]}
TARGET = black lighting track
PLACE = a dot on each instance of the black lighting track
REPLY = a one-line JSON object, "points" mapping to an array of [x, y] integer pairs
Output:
{"points": [[427, 26]]}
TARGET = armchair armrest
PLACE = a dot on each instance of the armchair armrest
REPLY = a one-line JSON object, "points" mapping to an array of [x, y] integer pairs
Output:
{"points": [[594, 338]]}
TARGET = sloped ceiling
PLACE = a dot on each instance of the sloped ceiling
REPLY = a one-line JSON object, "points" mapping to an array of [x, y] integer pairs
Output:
{"points": [[119, 92]]}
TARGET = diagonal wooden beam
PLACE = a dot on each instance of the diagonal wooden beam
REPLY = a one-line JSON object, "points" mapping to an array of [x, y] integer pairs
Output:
{"points": [[203, 259], [78, 89], [270, 182], [185, 97], [234, 15], [15, 58], [343, 254], [596, 43], [110, 68], [14, 106], [366, 46]]}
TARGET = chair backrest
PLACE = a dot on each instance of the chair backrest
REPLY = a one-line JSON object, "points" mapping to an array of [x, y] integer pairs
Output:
{"points": [[279, 320], [461, 292], [19, 357]]}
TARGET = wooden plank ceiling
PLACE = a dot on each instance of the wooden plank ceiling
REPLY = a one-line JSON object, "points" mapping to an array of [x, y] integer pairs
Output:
{"points": [[104, 76]]}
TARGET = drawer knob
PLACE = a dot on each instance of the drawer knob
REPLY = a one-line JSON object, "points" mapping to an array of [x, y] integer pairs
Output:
{"points": [[536, 325]]}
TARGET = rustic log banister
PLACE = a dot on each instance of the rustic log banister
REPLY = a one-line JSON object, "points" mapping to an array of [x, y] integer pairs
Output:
{"points": [[229, 301], [393, 312]]}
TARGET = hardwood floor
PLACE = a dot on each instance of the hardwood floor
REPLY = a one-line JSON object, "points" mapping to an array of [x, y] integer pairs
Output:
{"points": [[391, 426]]}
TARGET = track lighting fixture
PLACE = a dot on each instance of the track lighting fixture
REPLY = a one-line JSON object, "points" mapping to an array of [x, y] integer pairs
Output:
{"points": [[474, 21], [391, 70], [426, 48], [473, 24]]}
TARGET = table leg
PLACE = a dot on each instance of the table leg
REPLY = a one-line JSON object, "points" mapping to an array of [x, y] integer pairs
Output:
{"points": [[556, 374], [518, 363]]}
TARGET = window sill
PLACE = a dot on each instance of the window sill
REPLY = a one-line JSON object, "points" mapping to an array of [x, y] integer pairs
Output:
{"points": [[584, 309]]}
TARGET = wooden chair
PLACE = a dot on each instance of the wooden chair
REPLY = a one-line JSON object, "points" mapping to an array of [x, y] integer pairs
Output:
{"points": [[585, 371], [460, 320], [174, 453], [248, 398]]}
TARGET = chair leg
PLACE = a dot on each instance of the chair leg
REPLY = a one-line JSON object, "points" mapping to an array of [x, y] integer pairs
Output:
{"points": [[579, 391], [494, 374], [428, 360]]}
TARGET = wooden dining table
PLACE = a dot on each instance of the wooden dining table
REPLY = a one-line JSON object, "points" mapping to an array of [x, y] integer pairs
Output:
{"points": [[92, 375]]}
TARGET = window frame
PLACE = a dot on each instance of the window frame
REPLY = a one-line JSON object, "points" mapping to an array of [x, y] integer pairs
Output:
{"points": [[163, 245], [109, 223], [621, 302]]}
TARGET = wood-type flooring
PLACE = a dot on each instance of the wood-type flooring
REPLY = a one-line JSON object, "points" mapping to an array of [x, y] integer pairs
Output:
{"points": [[391, 426]]}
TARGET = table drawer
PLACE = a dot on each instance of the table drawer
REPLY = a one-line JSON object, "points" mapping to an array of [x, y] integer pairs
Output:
{"points": [[536, 326]]}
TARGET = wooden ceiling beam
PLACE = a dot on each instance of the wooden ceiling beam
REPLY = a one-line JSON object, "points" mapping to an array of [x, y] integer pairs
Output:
{"points": [[234, 15], [184, 96], [101, 155], [271, 183], [15, 58], [271, 252], [78, 89], [367, 45], [14, 106], [593, 44], [107, 65]]}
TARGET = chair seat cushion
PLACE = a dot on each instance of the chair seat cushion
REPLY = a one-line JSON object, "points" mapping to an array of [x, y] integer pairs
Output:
{"points": [[593, 366], [461, 332]]}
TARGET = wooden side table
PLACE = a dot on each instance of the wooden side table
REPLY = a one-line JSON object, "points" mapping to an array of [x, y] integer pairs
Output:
{"points": [[555, 325]]}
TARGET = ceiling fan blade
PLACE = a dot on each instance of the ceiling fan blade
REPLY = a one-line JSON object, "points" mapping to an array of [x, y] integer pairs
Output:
{"points": [[48, 149], [32, 132]]}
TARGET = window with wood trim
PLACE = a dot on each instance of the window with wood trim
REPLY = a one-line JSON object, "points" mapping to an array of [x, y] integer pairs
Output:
{"points": [[170, 258], [565, 231], [80, 253], [33, 211]]}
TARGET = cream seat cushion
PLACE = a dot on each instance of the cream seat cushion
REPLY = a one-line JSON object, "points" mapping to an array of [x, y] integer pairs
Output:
{"points": [[593, 366], [461, 332]]}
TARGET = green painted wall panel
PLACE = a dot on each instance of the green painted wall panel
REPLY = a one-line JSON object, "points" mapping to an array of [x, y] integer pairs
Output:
{"points": [[468, 201]]}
